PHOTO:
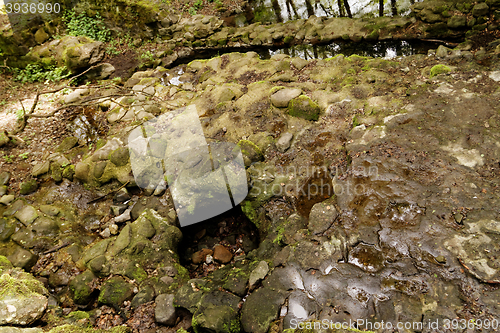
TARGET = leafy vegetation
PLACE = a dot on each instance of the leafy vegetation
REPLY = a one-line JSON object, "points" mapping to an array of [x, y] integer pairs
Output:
{"points": [[83, 25], [39, 73]]}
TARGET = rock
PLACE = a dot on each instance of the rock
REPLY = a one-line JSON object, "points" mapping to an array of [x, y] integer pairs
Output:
{"points": [[82, 287], [40, 169], [281, 98], [26, 215], [304, 107], [7, 228], [75, 96], [84, 54], [28, 187], [41, 36], [115, 291], [146, 294], [260, 309], [251, 153], [4, 138], [200, 256], [299, 63], [7, 199], [442, 51], [218, 312], [457, 22], [3, 190], [67, 143], [284, 142], [495, 76], [165, 310], [480, 9], [101, 72], [439, 69], [22, 299], [258, 273], [124, 217], [322, 216], [23, 258], [222, 254], [49, 210], [120, 157], [4, 178]]}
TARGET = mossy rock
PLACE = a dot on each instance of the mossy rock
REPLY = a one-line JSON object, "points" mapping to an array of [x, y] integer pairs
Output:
{"points": [[120, 156], [67, 144], [81, 287], [303, 107], [439, 69], [251, 153], [28, 186], [115, 291]]}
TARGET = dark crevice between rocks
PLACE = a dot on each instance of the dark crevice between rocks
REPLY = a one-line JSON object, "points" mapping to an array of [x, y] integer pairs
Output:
{"points": [[231, 229]]}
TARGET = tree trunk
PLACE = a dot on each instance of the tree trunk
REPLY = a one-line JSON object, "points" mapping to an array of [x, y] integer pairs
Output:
{"points": [[394, 8], [347, 8], [381, 8], [341, 8]]}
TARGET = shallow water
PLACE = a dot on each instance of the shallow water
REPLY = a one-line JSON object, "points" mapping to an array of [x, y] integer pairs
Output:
{"points": [[285, 10]]}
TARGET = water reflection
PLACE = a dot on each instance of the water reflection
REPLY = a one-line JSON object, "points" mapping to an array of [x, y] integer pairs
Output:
{"points": [[381, 49], [268, 11]]}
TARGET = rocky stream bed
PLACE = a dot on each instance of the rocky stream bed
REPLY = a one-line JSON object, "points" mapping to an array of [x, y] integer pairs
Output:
{"points": [[373, 189]]}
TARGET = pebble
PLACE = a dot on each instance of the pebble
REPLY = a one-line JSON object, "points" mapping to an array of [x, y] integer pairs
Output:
{"points": [[222, 254]]}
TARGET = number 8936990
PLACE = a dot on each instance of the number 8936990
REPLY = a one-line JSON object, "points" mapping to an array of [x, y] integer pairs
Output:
{"points": [[32, 8]]}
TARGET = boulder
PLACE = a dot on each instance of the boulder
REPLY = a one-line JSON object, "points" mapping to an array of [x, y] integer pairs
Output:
{"points": [[83, 55], [23, 299], [457, 22], [115, 291], [284, 142], [258, 273], [480, 9]]}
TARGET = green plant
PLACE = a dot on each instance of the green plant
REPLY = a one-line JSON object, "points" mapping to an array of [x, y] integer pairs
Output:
{"points": [[147, 55], [198, 4], [83, 25], [24, 155], [37, 73], [192, 11], [8, 159]]}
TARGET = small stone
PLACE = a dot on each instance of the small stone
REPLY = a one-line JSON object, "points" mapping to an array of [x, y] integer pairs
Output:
{"points": [[23, 258], [442, 51], [105, 233], [67, 144], [321, 218], [258, 273], [49, 210], [458, 218], [304, 107], [41, 36], [456, 22], [222, 254], [284, 142], [281, 98], [118, 209], [441, 259], [122, 195], [168, 279], [4, 178], [125, 216], [26, 215], [209, 259], [7, 199], [40, 169], [200, 256], [113, 228], [495, 76], [165, 309], [3, 190]]}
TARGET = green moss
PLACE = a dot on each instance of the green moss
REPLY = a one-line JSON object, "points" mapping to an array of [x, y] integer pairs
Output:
{"points": [[275, 89], [288, 39], [304, 107], [78, 315], [23, 284], [439, 69], [5, 263], [355, 121], [250, 212]]}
